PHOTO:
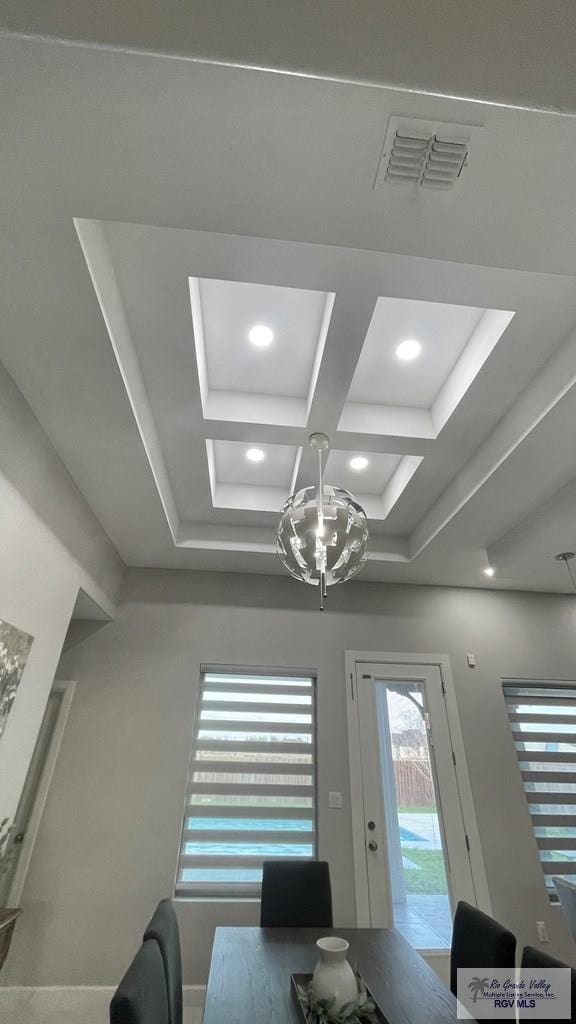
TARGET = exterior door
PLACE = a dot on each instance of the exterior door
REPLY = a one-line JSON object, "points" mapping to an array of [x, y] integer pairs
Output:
{"points": [[417, 851]]}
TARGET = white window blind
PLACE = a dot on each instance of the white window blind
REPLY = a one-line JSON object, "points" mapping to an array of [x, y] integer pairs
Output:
{"points": [[543, 721], [251, 782]]}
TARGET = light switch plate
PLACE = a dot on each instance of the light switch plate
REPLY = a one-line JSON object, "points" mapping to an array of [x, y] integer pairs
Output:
{"points": [[335, 800]]}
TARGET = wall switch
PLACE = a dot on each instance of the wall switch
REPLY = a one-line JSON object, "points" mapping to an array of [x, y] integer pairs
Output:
{"points": [[471, 659], [542, 931], [335, 800]]}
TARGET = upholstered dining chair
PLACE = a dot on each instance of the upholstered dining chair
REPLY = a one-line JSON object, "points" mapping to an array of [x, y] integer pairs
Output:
{"points": [[296, 894], [532, 957], [163, 929], [479, 941], [141, 997], [567, 895]]}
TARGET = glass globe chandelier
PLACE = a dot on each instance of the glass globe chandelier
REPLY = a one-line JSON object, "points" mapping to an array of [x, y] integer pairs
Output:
{"points": [[322, 535]]}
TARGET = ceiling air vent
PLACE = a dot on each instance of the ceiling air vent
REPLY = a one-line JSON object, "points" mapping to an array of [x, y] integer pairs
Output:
{"points": [[425, 154]]}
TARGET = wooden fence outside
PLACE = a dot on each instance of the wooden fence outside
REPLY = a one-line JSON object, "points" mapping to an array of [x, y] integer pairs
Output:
{"points": [[414, 785]]}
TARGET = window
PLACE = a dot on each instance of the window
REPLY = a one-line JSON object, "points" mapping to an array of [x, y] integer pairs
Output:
{"points": [[251, 782], [543, 720]]}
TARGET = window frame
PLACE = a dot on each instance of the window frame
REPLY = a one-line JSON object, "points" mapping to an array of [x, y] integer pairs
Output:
{"points": [[509, 683], [244, 891]]}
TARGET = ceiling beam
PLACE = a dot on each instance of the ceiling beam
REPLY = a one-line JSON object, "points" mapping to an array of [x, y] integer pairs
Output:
{"points": [[262, 540], [93, 243], [349, 323], [547, 389]]}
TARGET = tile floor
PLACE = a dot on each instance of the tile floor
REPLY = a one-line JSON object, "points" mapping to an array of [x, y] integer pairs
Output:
{"points": [[32, 1007], [425, 921]]}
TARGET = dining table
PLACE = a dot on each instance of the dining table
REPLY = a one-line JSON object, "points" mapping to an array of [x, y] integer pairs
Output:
{"points": [[251, 968]]}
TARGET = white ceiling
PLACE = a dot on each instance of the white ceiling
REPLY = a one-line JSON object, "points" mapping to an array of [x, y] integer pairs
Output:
{"points": [[230, 308], [233, 466], [417, 398], [237, 482], [370, 480], [443, 330], [259, 188]]}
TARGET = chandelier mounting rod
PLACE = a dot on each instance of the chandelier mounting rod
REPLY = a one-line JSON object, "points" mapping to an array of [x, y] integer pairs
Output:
{"points": [[320, 443], [566, 557]]}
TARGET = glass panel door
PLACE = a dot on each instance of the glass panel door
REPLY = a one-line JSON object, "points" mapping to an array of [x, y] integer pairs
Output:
{"points": [[418, 879], [417, 858]]}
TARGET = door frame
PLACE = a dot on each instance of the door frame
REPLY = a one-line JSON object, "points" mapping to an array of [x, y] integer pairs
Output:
{"points": [[442, 661], [66, 688]]}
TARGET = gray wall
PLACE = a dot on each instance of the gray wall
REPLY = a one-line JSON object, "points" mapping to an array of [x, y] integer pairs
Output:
{"points": [[108, 842], [51, 545], [30, 463]]}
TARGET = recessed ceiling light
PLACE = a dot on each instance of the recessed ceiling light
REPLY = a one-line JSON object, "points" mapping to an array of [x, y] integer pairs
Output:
{"points": [[409, 349], [358, 462], [255, 455], [489, 571], [261, 336]]}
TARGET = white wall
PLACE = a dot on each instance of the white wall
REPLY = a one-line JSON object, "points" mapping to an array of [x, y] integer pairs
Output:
{"points": [[108, 842], [50, 546]]}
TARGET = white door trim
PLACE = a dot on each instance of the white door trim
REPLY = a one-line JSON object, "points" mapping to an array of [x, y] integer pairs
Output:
{"points": [[67, 689], [442, 661]]}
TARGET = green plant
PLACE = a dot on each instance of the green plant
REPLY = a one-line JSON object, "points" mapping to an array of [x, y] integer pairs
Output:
{"points": [[431, 878], [7, 848], [319, 1011]]}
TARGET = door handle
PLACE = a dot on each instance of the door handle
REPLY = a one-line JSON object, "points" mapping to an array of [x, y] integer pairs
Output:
{"points": [[372, 845]]}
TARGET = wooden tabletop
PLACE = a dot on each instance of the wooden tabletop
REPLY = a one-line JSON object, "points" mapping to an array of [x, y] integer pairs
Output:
{"points": [[249, 980]]}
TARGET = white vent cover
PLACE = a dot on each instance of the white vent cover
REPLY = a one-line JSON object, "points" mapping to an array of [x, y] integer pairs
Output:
{"points": [[427, 154]]}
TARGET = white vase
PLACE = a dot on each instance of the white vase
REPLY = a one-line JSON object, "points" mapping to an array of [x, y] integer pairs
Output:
{"points": [[333, 977]]}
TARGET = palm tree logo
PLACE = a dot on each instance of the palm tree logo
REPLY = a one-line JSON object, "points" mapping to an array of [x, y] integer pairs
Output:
{"points": [[478, 987]]}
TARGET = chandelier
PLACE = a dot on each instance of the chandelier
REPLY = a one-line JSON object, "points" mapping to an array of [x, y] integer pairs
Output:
{"points": [[322, 535]]}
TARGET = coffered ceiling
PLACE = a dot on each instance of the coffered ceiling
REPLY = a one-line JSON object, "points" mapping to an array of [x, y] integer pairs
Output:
{"points": [[198, 272]]}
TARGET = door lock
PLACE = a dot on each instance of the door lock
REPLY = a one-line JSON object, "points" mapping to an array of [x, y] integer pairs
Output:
{"points": [[372, 845], [371, 825], [18, 838]]}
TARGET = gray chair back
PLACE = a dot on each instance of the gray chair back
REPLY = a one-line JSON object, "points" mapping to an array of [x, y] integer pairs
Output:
{"points": [[567, 896], [296, 894], [141, 997], [532, 957], [478, 941], [163, 930]]}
